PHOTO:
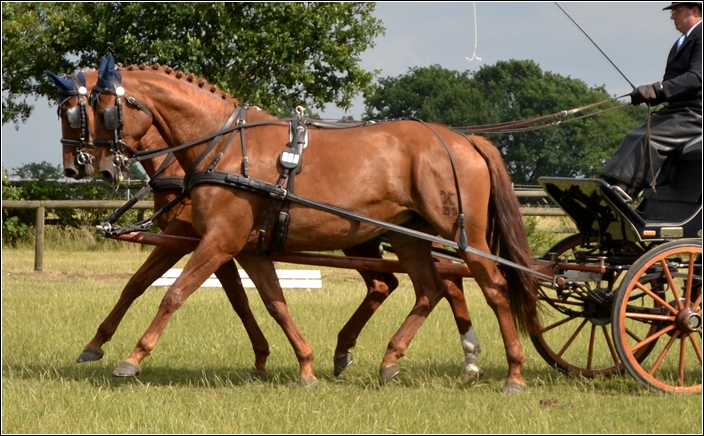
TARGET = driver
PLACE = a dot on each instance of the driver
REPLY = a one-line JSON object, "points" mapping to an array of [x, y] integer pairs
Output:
{"points": [[643, 151]]}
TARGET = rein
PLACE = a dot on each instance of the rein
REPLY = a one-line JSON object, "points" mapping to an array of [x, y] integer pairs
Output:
{"points": [[527, 125]]}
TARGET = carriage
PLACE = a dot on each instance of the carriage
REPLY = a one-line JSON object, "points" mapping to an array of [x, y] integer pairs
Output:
{"points": [[626, 288]]}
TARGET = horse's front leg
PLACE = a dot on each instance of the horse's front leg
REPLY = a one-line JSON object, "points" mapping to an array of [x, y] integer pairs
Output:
{"points": [[232, 284], [207, 258], [379, 286], [263, 274], [158, 262]]}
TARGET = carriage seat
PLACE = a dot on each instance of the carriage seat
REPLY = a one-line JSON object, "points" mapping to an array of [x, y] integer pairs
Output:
{"points": [[678, 191]]}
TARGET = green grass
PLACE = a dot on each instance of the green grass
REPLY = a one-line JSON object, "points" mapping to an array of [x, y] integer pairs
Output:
{"points": [[194, 382]]}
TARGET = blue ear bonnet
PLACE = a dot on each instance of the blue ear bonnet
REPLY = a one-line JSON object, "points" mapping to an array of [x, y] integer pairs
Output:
{"points": [[62, 83], [106, 73]]}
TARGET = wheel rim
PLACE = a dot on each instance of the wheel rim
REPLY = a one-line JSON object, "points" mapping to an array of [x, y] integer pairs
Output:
{"points": [[663, 291]]}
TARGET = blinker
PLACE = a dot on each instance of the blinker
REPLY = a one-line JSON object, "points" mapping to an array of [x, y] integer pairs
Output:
{"points": [[111, 118], [73, 116]]}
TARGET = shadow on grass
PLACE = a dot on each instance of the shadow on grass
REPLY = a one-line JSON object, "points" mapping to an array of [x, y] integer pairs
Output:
{"points": [[413, 375]]}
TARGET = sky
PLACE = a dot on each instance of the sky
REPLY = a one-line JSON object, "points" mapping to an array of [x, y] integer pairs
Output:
{"points": [[635, 36]]}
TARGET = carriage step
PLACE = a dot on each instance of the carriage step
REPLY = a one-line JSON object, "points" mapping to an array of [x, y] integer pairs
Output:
{"points": [[288, 278]]}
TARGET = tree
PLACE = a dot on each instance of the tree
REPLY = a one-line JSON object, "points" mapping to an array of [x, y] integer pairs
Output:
{"points": [[38, 171], [277, 55], [511, 91]]}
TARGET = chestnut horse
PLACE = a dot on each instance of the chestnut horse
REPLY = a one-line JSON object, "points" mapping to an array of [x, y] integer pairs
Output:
{"points": [[78, 158], [356, 184]]}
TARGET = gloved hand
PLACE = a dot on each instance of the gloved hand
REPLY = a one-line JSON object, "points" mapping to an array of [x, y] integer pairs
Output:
{"points": [[651, 94]]}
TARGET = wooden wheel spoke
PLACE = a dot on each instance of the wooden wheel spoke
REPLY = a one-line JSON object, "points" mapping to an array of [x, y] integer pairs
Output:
{"points": [[656, 297], [690, 276], [653, 337], [695, 345], [680, 374], [662, 355], [557, 324], [671, 282], [610, 343], [571, 339], [590, 353], [649, 317]]}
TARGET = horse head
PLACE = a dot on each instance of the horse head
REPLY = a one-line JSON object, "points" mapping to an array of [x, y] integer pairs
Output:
{"points": [[76, 117], [112, 155], [129, 101]]}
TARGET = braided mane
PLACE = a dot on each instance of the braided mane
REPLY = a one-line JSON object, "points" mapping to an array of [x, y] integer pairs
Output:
{"points": [[191, 78]]}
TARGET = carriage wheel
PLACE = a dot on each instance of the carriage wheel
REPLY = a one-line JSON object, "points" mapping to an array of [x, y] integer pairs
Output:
{"points": [[660, 299], [575, 334]]}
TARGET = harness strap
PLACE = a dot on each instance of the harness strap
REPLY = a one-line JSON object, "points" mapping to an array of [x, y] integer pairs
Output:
{"points": [[460, 219], [245, 160], [263, 187], [214, 142]]}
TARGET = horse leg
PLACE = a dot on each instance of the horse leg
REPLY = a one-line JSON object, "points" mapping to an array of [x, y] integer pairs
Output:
{"points": [[379, 286], [232, 284], [494, 287], [158, 262], [414, 255], [207, 258], [263, 274], [468, 337]]}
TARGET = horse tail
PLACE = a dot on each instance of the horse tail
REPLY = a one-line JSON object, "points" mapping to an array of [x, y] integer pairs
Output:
{"points": [[507, 238]]}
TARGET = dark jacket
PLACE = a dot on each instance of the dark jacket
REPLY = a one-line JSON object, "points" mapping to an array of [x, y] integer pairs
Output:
{"points": [[682, 82]]}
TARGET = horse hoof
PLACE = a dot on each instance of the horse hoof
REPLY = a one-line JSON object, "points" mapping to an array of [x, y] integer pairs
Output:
{"points": [[471, 372], [127, 369], [257, 376], [308, 383], [90, 355], [389, 372], [342, 363], [512, 388]]}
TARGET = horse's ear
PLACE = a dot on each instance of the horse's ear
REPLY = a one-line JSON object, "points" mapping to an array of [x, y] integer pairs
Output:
{"points": [[61, 82], [103, 62], [106, 72]]}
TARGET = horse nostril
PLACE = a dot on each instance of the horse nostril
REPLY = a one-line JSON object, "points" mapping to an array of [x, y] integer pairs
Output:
{"points": [[107, 176], [70, 173]]}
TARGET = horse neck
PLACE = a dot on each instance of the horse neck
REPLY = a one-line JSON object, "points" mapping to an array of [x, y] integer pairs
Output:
{"points": [[182, 110]]}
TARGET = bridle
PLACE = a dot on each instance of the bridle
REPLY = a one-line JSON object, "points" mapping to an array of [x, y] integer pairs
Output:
{"points": [[77, 118], [113, 119]]}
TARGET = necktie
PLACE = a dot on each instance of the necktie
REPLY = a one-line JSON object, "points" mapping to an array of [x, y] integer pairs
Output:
{"points": [[681, 40]]}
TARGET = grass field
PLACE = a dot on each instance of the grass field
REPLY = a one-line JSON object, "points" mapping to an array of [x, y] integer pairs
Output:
{"points": [[194, 382]]}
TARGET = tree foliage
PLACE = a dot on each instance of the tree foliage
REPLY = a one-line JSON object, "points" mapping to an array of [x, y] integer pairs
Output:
{"points": [[276, 55], [38, 171], [511, 91]]}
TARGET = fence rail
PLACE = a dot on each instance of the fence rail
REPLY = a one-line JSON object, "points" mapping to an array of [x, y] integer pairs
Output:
{"points": [[42, 205]]}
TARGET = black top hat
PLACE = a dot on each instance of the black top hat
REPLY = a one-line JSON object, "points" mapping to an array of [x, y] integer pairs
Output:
{"points": [[682, 3]]}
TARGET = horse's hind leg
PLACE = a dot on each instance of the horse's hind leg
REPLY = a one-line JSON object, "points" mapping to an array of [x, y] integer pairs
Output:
{"points": [[414, 255], [263, 274], [158, 262], [379, 286], [468, 337], [494, 287], [232, 284]]}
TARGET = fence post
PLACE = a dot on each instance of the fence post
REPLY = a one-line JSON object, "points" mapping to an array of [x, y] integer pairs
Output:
{"points": [[39, 239]]}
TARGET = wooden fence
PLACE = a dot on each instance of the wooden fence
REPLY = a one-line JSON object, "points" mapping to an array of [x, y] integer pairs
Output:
{"points": [[43, 205]]}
